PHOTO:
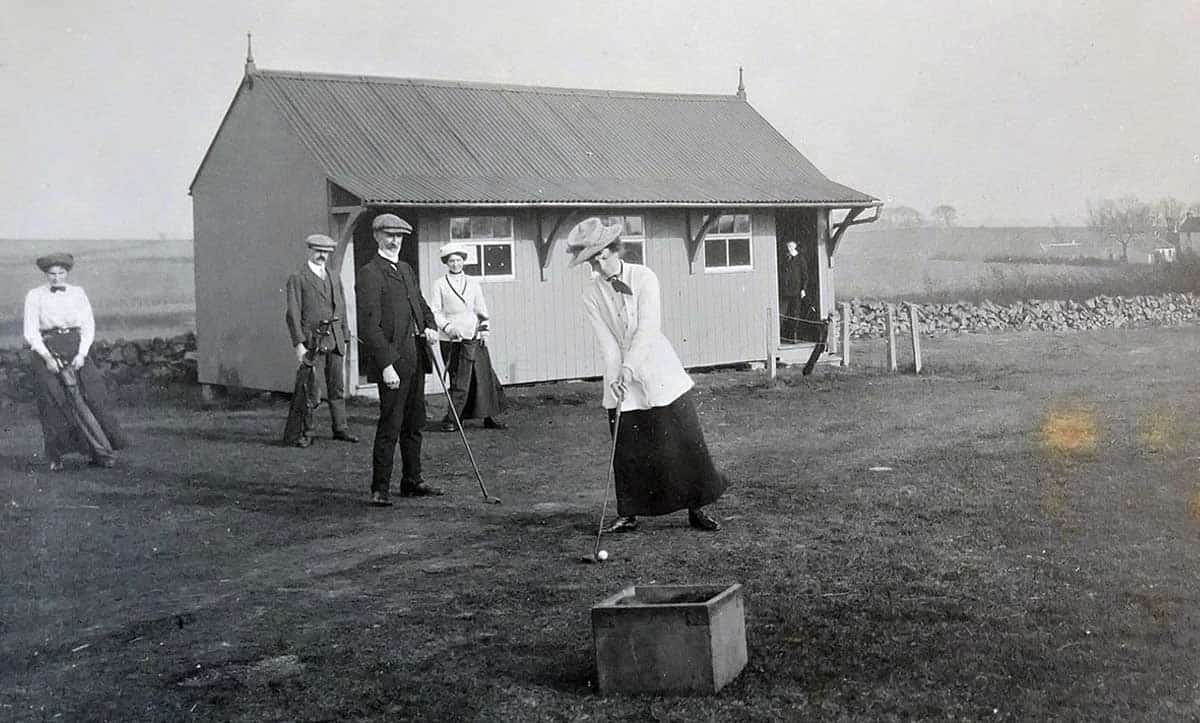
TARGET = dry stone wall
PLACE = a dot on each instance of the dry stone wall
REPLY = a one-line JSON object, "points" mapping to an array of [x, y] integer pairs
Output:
{"points": [[868, 318], [156, 361]]}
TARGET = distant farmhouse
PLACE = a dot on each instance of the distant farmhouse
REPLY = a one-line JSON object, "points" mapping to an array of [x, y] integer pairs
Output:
{"points": [[1189, 234], [707, 189]]}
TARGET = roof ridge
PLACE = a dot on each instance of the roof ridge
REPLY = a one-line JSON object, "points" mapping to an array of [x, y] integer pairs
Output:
{"points": [[481, 85]]}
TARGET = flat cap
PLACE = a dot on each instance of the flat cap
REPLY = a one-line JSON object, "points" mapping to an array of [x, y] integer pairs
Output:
{"points": [[390, 222], [65, 260], [320, 242]]}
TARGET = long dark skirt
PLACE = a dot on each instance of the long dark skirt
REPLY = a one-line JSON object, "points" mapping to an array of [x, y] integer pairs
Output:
{"points": [[61, 434], [662, 463], [474, 387]]}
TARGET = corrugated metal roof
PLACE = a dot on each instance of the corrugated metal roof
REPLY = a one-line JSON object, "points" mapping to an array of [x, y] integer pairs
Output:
{"points": [[435, 142]]}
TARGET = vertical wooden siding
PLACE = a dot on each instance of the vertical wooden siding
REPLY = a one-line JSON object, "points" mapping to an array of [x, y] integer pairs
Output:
{"points": [[259, 195], [541, 333]]}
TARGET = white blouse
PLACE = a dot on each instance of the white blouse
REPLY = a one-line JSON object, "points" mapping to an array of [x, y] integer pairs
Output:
{"points": [[457, 302], [58, 310]]}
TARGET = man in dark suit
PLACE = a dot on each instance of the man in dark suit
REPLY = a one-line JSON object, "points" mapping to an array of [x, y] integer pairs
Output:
{"points": [[316, 313], [395, 325]]}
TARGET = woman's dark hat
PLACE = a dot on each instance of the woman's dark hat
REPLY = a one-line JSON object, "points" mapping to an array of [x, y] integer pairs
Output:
{"points": [[49, 261]]}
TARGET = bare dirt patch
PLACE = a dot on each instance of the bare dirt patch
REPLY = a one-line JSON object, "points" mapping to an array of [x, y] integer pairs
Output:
{"points": [[977, 571]]}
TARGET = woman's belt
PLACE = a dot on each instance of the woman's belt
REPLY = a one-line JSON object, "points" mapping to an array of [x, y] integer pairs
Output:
{"points": [[59, 330]]}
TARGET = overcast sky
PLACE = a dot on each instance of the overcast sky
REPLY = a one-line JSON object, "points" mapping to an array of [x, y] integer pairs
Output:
{"points": [[1013, 112]]}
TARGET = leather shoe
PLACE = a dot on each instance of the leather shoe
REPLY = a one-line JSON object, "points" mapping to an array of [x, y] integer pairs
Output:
{"points": [[302, 442], [623, 524], [449, 427], [105, 462], [380, 499], [345, 437], [420, 489], [701, 520], [56, 465], [489, 423]]}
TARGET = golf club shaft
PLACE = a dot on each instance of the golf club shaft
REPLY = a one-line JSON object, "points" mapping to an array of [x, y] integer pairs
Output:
{"points": [[609, 478], [458, 422]]}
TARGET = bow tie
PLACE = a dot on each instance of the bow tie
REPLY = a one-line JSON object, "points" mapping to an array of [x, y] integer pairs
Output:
{"points": [[619, 286], [56, 289]]}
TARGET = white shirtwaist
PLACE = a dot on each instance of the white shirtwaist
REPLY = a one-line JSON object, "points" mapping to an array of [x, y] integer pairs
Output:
{"points": [[58, 310]]}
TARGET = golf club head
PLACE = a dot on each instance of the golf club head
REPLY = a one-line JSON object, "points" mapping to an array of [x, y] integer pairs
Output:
{"points": [[492, 500]]}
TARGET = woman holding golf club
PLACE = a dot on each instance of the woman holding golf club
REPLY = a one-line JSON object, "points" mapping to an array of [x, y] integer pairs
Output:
{"points": [[463, 326], [660, 459], [71, 395]]}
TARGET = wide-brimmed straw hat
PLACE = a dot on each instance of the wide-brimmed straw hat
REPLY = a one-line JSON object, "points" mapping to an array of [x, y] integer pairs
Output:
{"points": [[448, 250], [589, 237], [49, 261]]}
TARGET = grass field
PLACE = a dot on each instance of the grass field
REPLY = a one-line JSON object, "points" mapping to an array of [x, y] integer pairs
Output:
{"points": [[1028, 555], [138, 288]]}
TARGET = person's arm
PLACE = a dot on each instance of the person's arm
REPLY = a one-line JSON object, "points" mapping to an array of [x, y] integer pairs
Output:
{"points": [[87, 328], [424, 313], [610, 348], [294, 296], [649, 322], [369, 297], [479, 306], [32, 329], [437, 305]]}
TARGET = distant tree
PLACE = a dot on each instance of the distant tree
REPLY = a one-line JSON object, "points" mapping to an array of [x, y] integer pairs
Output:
{"points": [[1122, 220], [1171, 213], [902, 217], [944, 215]]}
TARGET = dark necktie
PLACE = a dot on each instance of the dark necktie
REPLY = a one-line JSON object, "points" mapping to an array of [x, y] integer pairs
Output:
{"points": [[620, 286], [56, 289]]}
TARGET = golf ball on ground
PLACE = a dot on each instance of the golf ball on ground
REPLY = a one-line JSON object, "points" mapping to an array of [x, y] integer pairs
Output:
{"points": [[602, 555]]}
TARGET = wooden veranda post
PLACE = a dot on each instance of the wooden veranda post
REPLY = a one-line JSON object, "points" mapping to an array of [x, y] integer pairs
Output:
{"points": [[772, 340], [891, 337], [914, 325], [845, 334]]}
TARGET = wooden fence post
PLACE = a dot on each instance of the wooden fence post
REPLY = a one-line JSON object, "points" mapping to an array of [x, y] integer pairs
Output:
{"points": [[914, 324], [772, 341], [831, 335], [891, 337], [845, 334]]}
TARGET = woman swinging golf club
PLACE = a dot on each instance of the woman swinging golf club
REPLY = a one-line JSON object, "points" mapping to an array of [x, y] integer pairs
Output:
{"points": [[660, 460]]}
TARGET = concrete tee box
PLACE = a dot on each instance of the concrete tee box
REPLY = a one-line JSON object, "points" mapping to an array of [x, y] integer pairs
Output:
{"points": [[669, 638]]}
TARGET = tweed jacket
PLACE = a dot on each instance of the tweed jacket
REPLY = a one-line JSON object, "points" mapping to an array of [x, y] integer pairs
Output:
{"points": [[389, 301], [634, 338], [311, 300]]}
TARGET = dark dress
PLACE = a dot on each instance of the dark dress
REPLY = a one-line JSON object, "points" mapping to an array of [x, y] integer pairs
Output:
{"points": [[61, 427], [474, 387], [662, 463]]}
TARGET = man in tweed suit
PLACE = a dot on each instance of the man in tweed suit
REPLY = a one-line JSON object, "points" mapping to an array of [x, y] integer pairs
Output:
{"points": [[316, 321]]}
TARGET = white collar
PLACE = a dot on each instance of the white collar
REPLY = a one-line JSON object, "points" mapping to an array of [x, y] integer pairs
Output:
{"points": [[320, 271], [389, 258]]}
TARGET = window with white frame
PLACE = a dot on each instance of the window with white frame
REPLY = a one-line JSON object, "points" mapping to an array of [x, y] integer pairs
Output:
{"points": [[489, 244], [633, 235], [727, 246]]}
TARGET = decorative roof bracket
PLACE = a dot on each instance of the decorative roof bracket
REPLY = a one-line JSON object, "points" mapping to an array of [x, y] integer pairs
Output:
{"points": [[851, 219], [545, 243], [707, 222]]}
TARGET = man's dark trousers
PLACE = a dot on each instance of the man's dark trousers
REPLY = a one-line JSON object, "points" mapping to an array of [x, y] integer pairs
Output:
{"points": [[328, 374], [401, 417]]}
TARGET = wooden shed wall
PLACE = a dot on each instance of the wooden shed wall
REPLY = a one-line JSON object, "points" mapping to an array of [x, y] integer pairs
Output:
{"points": [[258, 195], [541, 332]]}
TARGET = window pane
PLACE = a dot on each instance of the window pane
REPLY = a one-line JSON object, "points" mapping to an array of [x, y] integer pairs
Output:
{"points": [[481, 227], [741, 223], [473, 269], [739, 252], [497, 260], [633, 252], [460, 228], [610, 220], [725, 224], [501, 227], [714, 253], [633, 226]]}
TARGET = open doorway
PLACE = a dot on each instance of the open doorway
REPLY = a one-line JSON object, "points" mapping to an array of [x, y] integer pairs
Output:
{"points": [[799, 282], [365, 249]]}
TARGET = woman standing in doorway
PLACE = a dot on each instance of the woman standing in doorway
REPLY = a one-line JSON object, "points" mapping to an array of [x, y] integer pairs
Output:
{"points": [[463, 328], [662, 463], [72, 398]]}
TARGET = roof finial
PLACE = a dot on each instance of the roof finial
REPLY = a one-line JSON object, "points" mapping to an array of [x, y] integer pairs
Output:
{"points": [[741, 93], [250, 67]]}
